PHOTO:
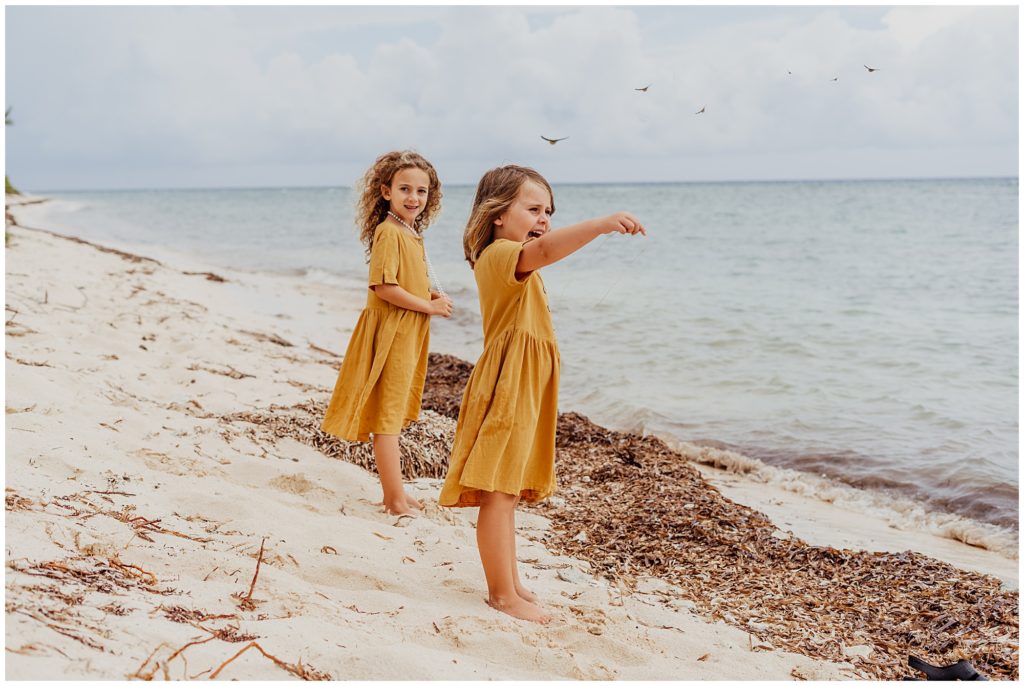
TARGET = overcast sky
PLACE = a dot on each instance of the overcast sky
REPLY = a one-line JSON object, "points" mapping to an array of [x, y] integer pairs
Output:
{"points": [[171, 97]]}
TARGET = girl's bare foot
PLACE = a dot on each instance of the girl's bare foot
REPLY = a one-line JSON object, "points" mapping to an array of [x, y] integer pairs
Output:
{"points": [[526, 595], [398, 508], [520, 609], [412, 502]]}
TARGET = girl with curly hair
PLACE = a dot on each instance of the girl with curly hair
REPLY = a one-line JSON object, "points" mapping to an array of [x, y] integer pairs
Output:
{"points": [[381, 379]]}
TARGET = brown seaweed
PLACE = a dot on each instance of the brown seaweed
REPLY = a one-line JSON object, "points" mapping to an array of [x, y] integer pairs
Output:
{"points": [[634, 508]]}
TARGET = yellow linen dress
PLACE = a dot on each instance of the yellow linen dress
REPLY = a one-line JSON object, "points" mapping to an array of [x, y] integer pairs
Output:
{"points": [[380, 384], [505, 437]]}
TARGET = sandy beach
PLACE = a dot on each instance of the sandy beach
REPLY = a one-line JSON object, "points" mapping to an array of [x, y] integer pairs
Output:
{"points": [[170, 504]]}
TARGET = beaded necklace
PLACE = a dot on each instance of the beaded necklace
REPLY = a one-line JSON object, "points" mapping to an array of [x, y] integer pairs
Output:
{"points": [[430, 267]]}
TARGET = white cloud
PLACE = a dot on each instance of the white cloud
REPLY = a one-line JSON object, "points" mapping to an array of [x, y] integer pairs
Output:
{"points": [[204, 87], [911, 25]]}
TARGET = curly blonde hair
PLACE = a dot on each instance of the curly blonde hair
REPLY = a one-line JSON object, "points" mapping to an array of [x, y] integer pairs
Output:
{"points": [[372, 208], [495, 193]]}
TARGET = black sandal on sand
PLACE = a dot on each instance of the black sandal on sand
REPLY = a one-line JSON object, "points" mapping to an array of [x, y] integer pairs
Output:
{"points": [[961, 671]]}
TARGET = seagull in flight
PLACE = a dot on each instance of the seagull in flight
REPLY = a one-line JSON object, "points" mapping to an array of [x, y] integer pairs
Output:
{"points": [[701, 110], [644, 89], [870, 69], [552, 141]]}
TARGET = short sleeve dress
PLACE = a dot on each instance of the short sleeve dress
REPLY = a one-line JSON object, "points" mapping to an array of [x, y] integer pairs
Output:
{"points": [[505, 437], [380, 384]]}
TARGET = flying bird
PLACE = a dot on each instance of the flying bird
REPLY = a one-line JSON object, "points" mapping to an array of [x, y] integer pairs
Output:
{"points": [[644, 89], [701, 110], [552, 141], [870, 69]]}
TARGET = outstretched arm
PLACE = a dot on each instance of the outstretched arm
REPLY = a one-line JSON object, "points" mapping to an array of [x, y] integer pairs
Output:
{"points": [[560, 243], [398, 296]]}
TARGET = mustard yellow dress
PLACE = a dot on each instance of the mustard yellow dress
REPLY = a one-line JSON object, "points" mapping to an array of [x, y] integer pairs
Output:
{"points": [[380, 384], [505, 437]]}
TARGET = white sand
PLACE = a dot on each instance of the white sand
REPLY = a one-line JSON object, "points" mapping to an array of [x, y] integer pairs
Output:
{"points": [[113, 385]]}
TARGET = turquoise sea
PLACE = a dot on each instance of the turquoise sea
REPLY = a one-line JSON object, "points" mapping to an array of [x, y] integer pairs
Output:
{"points": [[864, 330]]}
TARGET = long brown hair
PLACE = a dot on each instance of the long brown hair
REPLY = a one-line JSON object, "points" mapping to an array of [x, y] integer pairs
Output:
{"points": [[495, 193], [373, 208]]}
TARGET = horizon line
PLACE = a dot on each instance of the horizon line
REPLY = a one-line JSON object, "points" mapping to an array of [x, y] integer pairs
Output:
{"points": [[562, 183]]}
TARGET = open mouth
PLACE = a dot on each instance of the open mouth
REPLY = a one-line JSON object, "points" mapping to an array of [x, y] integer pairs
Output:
{"points": [[534, 233]]}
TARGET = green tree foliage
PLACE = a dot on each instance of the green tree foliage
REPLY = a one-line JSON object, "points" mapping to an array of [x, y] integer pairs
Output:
{"points": [[8, 188]]}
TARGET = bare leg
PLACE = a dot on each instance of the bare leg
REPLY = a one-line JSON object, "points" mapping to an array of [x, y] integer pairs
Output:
{"points": [[389, 468], [520, 590], [496, 539]]}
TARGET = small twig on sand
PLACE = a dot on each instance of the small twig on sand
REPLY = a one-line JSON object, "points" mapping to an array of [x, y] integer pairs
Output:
{"points": [[140, 573], [180, 650], [62, 630], [389, 613], [163, 664], [29, 363], [324, 350], [247, 603], [233, 373], [210, 276], [142, 525], [259, 560], [269, 338], [307, 673], [138, 672], [179, 614]]}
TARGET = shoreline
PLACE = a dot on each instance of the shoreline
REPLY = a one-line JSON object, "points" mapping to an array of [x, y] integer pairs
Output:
{"points": [[899, 511], [995, 529], [908, 509], [200, 356]]}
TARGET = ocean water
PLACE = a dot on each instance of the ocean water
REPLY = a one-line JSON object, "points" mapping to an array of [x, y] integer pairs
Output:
{"points": [[862, 330]]}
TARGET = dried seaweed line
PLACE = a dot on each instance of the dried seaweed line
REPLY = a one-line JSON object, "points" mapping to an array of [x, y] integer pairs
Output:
{"points": [[736, 545], [425, 444]]}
